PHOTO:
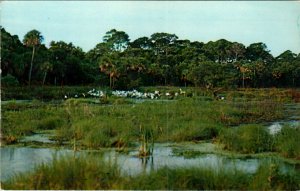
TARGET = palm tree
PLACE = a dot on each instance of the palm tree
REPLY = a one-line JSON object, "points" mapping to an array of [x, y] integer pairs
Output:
{"points": [[46, 67], [107, 66], [32, 39]]}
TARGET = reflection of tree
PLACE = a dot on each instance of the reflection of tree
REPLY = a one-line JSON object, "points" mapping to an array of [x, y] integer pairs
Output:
{"points": [[145, 161]]}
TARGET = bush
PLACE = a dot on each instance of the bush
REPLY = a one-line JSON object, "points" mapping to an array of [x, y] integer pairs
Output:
{"points": [[9, 80]]}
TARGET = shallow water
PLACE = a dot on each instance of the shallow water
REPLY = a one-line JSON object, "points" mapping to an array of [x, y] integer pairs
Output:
{"points": [[38, 137], [292, 119], [24, 159]]}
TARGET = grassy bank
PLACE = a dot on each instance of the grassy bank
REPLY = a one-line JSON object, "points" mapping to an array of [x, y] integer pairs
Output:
{"points": [[94, 173]]}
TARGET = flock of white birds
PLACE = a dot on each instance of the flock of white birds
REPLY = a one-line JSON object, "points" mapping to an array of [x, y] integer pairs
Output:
{"points": [[129, 94]]}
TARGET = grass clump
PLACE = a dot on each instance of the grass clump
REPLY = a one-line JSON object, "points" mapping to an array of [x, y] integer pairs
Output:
{"points": [[93, 172], [287, 142], [50, 122], [269, 177], [68, 172], [236, 113], [256, 139], [247, 139]]}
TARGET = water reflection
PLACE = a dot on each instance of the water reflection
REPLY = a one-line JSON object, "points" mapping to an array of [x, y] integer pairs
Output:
{"points": [[22, 159]]}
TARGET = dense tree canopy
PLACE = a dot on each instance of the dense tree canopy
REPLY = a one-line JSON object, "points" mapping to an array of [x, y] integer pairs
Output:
{"points": [[161, 59]]}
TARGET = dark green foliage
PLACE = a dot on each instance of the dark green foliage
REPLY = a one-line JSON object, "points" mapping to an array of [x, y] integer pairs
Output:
{"points": [[9, 80], [161, 59], [45, 93]]}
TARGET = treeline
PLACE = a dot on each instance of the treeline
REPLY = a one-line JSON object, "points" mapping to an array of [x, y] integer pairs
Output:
{"points": [[161, 59]]}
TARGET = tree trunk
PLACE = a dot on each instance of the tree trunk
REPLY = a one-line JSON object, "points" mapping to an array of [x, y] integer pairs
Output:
{"points": [[110, 82], [44, 79], [31, 64], [243, 79]]}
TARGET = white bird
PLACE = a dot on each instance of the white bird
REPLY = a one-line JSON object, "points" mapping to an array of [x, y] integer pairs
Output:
{"points": [[181, 92]]}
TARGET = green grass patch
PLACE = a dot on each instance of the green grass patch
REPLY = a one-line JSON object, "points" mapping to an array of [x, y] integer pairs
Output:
{"points": [[287, 142], [247, 139]]}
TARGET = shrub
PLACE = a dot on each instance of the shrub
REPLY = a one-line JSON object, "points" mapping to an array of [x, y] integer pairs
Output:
{"points": [[9, 80]]}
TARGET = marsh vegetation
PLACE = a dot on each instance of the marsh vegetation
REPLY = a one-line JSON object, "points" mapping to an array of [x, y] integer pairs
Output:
{"points": [[235, 127]]}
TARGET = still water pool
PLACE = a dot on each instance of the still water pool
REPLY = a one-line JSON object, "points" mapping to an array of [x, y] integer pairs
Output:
{"points": [[24, 159]]}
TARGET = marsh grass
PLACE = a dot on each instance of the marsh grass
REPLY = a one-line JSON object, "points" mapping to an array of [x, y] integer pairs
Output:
{"points": [[94, 123], [26, 121], [90, 172], [255, 139], [287, 141], [68, 172], [116, 121], [247, 139], [269, 177]]}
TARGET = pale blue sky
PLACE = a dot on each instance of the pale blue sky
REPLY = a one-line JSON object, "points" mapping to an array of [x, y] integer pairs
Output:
{"points": [[84, 23]]}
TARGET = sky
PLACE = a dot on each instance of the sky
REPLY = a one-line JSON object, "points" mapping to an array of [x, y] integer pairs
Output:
{"points": [[84, 23]]}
